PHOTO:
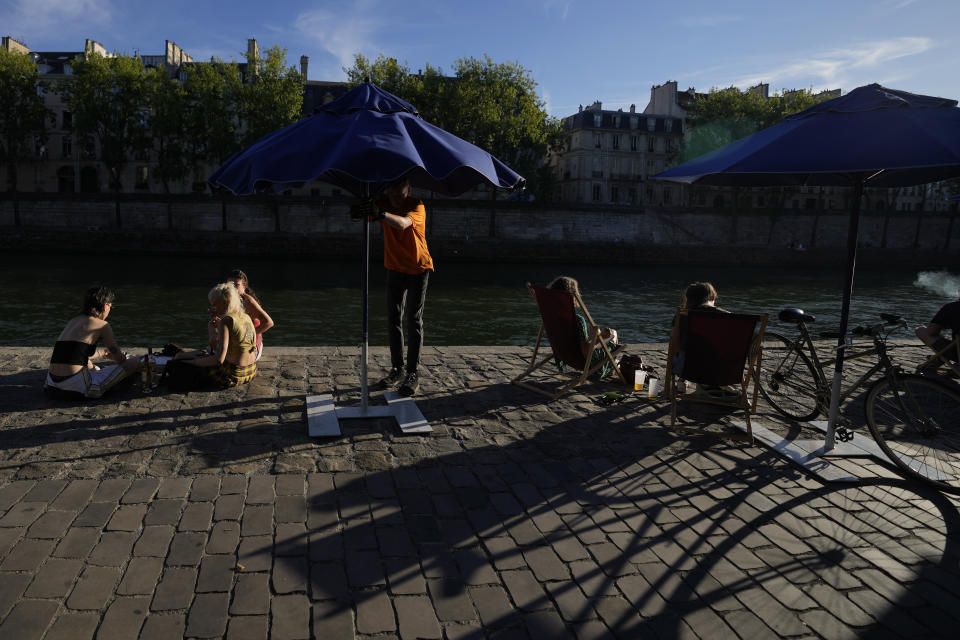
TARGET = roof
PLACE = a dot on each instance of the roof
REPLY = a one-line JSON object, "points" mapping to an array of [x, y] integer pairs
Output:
{"points": [[608, 120]]}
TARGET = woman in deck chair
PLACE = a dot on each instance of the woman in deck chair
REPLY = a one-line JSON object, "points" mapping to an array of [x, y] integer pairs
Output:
{"points": [[587, 333], [701, 296], [948, 317]]}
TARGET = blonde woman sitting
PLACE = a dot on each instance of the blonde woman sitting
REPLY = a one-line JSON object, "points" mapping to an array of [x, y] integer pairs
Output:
{"points": [[233, 361]]}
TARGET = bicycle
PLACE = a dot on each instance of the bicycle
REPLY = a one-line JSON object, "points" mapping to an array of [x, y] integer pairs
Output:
{"points": [[914, 420]]}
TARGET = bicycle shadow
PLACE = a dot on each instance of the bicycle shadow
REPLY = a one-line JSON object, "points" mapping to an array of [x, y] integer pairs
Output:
{"points": [[651, 537]]}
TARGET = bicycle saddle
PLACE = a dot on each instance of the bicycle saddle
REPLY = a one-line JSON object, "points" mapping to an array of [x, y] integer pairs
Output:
{"points": [[791, 314]]}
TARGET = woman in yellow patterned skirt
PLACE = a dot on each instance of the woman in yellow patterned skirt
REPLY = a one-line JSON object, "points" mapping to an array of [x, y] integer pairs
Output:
{"points": [[234, 361]]}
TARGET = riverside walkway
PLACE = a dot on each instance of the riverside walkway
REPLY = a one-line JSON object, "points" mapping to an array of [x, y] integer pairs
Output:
{"points": [[213, 514]]}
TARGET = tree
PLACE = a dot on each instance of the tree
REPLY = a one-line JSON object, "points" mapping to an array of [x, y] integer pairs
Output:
{"points": [[496, 106], [492, 105], [273, 97], [724, 115], [108, 98], [167, 104], [23, 116], [212, 115]]}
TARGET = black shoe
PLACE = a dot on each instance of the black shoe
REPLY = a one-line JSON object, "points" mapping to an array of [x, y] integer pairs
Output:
{"points": [[411, 384], [392, 380]]}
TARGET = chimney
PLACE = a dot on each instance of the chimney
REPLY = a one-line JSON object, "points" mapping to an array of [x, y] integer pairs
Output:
{"points": [[253, 57], [304, 63], [633, 108]]}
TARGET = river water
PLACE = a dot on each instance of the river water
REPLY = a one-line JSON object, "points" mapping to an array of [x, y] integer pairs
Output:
{"points": [[313, 302]]}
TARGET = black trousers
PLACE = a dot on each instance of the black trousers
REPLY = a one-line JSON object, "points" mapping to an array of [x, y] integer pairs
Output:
{"points": [[406, 295]]}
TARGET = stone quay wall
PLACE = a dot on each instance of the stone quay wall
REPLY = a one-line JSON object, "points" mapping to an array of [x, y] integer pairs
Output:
{"points": [[476, 230]]}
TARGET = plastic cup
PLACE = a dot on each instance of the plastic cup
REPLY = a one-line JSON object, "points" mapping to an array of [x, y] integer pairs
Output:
{"points": [[639, 377], [653, 388]]}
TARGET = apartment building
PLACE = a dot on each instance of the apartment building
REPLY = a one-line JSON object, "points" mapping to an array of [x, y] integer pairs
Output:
{"points": [[609, 156]]}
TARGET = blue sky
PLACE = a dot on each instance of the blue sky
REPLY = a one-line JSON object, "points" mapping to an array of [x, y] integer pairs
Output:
{"points": [[577, 51]]}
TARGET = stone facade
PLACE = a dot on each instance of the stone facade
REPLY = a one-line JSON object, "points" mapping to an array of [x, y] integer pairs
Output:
{"points": [[609, 155]]}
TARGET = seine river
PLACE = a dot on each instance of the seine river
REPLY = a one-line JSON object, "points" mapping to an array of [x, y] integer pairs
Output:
{"points": [[162, 299]]}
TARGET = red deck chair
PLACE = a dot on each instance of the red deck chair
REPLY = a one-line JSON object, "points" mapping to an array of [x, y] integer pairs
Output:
{"points": [[718, 350], [559, 322]]}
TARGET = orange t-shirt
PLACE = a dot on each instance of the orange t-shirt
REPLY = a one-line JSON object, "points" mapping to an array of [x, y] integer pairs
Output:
{"points": [[405, 250]]}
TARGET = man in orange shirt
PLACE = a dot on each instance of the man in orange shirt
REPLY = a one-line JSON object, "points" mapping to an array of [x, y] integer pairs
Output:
{"points": [[408, 264]]}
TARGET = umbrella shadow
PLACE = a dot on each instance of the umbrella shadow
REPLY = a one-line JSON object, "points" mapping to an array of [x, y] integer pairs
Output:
{"points": [[654, 537]]}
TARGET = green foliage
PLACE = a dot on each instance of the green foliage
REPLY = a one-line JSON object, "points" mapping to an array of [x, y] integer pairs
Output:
{"points": [[274, 96], [108, 98], [23, 115], [166, 100], [213, 96], [724, 115], [492, 105]]}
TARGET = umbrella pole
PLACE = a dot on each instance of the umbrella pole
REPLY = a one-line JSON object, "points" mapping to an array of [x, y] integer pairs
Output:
{"points": [[366, 315], [853, 231]]}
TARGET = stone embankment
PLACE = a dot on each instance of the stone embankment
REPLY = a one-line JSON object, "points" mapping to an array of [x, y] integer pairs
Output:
{"points": [[479, 230]]}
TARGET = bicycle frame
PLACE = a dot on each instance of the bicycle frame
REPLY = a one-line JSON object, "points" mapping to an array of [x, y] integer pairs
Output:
{"points": [[879, 349]]}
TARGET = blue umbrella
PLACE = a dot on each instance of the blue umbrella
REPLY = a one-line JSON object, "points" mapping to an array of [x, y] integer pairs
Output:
{"points": [[362, 142], [871, 137]]}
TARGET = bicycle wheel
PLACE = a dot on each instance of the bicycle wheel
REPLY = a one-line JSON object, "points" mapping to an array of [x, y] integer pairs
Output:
{"points": [[788, 380], [916, 421]]}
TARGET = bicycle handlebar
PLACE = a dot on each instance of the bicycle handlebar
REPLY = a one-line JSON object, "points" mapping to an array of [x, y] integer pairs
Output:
{"points": [[889, 320]]}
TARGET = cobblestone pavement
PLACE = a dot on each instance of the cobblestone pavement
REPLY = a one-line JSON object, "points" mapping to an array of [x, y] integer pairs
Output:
{"points": [[213, 515]]}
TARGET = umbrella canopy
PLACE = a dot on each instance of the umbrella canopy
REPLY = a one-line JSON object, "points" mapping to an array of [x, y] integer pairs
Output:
{"points": [[871, 137], [362, 142]]}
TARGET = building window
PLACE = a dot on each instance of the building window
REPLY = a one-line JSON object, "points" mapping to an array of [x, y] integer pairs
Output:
{"points": [[66, 147], [811, 203], [633, 143], [667, 125], [143, 174], [632, 196], [649, 194], [596, 193], [651, 124], [616, 142], [633, 122], [67, 119], [651, 144], [598, 120], [666, 196], [718, 201], [616, 121], [596, 141], [614, 194]]}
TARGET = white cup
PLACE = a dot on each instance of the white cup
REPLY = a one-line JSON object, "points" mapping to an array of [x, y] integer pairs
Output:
{"points": [[639, 377], [653, 388]]}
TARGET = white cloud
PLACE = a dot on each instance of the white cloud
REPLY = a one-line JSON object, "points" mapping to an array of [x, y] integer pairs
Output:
{"points": [[342, 32], [32, 18], [716, 20], [560, 7], [839, 67], [893, 5]]}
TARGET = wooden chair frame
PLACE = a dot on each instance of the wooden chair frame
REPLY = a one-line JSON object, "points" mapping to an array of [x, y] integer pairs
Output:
{"points": [[941, 357], [746, 399], [585, 372]]}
